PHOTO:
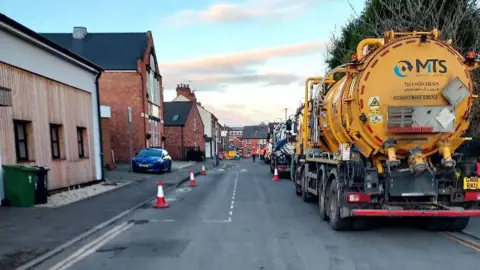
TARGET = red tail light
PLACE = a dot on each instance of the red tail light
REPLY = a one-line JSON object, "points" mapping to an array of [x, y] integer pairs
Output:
{"points": [[472, 196], [471, 55], [358, 197]]}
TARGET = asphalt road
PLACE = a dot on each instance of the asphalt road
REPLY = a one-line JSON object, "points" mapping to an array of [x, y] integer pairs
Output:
{"points": [[237, 218]]}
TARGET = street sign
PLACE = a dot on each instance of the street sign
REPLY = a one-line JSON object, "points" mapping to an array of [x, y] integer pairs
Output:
{"points": [[129, 114]]}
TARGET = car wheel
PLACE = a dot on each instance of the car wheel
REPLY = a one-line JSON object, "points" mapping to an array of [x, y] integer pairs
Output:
{"points": [[169, 168]]}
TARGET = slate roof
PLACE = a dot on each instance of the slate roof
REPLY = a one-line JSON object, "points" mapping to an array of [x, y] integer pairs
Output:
{"points": [[176, 113], [111, 51], [14, 24], [235, 128], [255, 132]]}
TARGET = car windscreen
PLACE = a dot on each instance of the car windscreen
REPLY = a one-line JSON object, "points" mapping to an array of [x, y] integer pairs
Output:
{"points": [[149, 153]]}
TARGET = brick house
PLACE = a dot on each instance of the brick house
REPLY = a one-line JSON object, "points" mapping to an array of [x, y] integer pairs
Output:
{"points": [[131, 79], [210, 121], [254, 136], [183, 128], [234, 132]]}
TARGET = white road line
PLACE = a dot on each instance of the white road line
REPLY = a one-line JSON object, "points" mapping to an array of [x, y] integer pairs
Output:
{"points": [[218, 221], [232, 203], [91, 247], [168, 220]]}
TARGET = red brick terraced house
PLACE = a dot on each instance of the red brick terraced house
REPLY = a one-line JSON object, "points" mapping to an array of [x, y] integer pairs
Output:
{"points": [[131, 79], [183, 128], [254, 136]]}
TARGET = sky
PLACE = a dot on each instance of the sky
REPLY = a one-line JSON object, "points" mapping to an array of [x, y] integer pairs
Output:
{"points": [[246, 59]]}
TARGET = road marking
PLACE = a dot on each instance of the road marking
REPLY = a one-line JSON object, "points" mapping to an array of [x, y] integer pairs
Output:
{"points": [[218, 221], [230, 214], [91, 247], [465, 242], [168, 220]]}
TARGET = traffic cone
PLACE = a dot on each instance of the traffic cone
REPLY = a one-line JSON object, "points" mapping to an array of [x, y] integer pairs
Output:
{"points": [[275, 175], [192, 179], [161, 203], [203, 170]]}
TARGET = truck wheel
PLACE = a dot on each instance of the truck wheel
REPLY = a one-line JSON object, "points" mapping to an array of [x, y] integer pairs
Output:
{"points": [[305, 196], [436, 224], [321, 204], [458, 224], [336, 222]]}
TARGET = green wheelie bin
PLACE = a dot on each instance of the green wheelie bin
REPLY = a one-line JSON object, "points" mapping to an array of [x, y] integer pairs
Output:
{"points": [[19, 184]]}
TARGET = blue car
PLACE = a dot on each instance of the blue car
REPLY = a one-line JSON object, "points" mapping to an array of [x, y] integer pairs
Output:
{"points": [[152, 160]]}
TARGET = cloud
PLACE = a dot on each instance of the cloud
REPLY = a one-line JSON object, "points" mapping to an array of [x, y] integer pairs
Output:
{"points": [[213, 73], [237, 61], [235, 12]]}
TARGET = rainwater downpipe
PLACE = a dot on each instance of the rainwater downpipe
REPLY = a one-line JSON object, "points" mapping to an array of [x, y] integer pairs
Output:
{"points": [[97, 88]]}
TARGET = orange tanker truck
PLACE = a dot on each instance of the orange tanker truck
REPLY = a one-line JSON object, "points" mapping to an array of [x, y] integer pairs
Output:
{"points": [[380, 141]]}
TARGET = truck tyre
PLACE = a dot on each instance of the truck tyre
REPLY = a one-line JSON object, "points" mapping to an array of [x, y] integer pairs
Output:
{"points": [[458, 224], [305, 196], [337, 223], [436, 224], [321, 203], [298, 175]]}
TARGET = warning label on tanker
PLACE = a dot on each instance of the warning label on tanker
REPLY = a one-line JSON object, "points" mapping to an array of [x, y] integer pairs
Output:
{"points": [[376, 119], [415, 97], [374, 102]]}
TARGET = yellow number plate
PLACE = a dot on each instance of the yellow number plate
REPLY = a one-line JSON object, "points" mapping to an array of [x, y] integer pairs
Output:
{"points": [[471, 183]]}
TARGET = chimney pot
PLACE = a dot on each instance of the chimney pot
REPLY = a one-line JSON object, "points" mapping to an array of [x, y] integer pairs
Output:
{"points": [[79, 32]]}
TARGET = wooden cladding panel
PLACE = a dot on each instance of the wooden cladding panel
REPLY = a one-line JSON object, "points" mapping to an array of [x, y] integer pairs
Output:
{"points": [[46, 102]]}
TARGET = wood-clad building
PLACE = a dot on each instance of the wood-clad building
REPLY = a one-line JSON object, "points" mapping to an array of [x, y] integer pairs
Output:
{"points": [[49, 114]]}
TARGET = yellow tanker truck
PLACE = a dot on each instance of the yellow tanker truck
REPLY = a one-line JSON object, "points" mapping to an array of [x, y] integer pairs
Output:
{"points": [[380, 141]]}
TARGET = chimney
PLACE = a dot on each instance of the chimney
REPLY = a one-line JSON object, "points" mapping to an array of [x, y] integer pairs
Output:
{"points": [[184, 90], [79, 32]]}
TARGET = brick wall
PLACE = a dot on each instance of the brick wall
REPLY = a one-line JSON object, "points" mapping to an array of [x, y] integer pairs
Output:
{"points": [[249, 146], [173, 143], [119, 90], [191, 137], [194, 137]]}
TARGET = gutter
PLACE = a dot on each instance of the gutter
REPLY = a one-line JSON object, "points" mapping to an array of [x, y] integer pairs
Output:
{"points": [[97, 88]]}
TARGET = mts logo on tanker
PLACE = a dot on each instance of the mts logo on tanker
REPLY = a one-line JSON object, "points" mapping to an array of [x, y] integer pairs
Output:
{"points": [[404, 67]]}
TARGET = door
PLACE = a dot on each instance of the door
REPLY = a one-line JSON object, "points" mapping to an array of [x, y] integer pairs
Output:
{"points": [[207, 150]]}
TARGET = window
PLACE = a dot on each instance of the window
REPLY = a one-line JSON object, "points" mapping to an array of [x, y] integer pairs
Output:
{"points": [[55, 140], [21, 139], [81, 142]]}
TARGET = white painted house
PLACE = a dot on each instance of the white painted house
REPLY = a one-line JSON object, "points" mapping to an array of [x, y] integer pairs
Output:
{"points": [[49, 108]]}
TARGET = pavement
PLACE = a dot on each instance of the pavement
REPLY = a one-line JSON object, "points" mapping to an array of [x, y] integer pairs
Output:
{"points": [[26, 233], [238, 218]]}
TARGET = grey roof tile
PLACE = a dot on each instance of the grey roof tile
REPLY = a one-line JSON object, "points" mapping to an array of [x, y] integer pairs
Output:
{"points": [[176, 113], [111, 51]]}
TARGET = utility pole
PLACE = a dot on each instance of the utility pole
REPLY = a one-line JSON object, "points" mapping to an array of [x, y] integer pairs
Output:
{"points": [[285, 113]]}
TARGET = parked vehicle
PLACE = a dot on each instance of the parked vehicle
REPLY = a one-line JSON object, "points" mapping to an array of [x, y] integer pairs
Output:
{"points": [[152, 160], [380, 140]]}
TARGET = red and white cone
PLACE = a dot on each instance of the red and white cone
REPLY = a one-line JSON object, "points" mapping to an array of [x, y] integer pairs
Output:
{"points": [[192, 179], [161, 203], [203, 170], [275, 175]]}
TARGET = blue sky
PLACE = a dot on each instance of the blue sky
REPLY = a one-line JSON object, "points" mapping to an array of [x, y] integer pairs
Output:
{"points": [[245, 58]]}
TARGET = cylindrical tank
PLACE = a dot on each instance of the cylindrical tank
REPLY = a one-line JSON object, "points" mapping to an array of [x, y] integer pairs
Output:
{"points": [[412, 90]]}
